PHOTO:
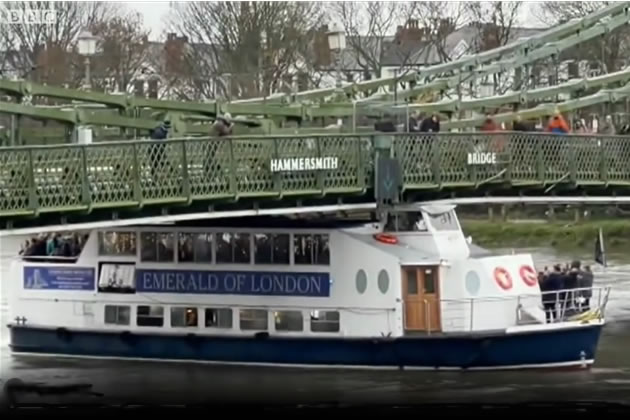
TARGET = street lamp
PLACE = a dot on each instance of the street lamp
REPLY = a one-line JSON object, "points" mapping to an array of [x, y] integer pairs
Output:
{"points": [[87, 48], [337, 43]]}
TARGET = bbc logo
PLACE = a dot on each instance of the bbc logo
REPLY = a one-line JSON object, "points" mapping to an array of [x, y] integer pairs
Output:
{"points": [[28, 16]]}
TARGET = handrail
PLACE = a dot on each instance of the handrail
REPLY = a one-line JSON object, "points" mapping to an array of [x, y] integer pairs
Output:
{"points": [[565, 309]]}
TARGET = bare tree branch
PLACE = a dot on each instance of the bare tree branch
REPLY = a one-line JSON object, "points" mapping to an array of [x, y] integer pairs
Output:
{"points": [[258, 43]]}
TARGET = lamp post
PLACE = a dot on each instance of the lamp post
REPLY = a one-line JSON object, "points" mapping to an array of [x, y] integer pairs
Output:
{"points": [[87, 48], [337, 43]]}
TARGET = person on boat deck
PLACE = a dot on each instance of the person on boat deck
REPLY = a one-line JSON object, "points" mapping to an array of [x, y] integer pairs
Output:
{"points": [[430, 124], [52, 244], [585, 282], [557, 124], [550, 286]]}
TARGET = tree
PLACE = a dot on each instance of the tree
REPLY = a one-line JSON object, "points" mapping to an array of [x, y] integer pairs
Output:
{"points": [[495, 23], [258, 44], [441, 19], [43, 51], [123, 46], [369, 29], [609, 53]]}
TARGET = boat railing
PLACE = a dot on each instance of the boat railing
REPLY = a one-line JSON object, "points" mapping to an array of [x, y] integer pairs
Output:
{"points": [[577, 304], [49, 259]]}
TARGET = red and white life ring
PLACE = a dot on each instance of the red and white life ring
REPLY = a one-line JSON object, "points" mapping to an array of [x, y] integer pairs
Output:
{"points": [[503, 278], [528, 275], [386, 238]]}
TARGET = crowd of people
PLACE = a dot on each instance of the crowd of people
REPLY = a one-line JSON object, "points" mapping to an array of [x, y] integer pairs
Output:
{"points": [[565, 290], [54, 245], [557, 124]]}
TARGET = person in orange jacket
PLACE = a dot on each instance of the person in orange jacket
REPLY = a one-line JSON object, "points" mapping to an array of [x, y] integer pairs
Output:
{"points": [[557, 124]]}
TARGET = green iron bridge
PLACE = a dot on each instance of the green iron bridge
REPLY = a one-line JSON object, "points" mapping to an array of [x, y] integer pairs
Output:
{"points": [[52, 185]]}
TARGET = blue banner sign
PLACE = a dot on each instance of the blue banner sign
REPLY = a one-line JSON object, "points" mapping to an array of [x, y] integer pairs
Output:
{"points": [[233, 283], [59, 278]]}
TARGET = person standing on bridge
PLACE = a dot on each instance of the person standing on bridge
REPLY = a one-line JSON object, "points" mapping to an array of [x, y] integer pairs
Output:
{"points": [[608, 127], [558, 125], [159, 150], [430, 124], [223, 126]]}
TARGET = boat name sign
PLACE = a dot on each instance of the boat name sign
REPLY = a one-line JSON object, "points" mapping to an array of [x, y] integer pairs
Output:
{"points": [[304, 164], [233, 283]]}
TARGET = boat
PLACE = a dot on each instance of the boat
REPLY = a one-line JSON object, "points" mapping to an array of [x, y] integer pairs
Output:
{"points": [[409, 291]]}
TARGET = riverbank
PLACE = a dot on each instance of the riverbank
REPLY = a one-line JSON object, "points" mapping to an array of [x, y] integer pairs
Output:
{"points": [[536, 233]]}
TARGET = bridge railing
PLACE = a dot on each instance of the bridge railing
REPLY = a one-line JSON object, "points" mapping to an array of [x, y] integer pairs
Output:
{"points": [[79, 177], [130, 174], [519, 158]]}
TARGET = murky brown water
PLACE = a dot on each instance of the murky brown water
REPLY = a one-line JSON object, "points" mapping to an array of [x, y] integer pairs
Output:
{"points": [[120, 382]]}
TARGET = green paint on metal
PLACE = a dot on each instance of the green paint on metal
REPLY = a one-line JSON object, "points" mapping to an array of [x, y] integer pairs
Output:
{"points": [[137, 174]]}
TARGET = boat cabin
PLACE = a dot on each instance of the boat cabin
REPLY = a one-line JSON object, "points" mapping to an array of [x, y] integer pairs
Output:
{"points": [[414, 274]]}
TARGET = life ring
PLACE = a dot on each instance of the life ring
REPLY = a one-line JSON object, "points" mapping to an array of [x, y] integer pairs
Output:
{"points": [[386, 238], [503, 278], [528, 275]]}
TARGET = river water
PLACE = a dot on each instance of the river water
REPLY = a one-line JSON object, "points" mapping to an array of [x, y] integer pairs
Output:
{"points": [[149, 382]]}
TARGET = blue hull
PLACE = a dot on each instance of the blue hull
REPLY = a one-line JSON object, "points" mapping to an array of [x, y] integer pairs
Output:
{"points": [[535, 349]]}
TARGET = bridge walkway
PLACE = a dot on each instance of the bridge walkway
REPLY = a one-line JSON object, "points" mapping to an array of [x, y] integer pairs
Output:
{"points": [[41, 185]]}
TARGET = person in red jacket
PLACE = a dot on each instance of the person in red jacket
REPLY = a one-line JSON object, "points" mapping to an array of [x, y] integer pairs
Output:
{"points": [[489, 124], [557, 124]]}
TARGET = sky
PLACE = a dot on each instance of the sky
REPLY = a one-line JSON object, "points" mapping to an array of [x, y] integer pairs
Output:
{"points": [[155, 13]]}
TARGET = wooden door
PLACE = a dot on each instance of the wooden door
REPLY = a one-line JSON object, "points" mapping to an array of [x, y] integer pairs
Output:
{"points": [[421, 298]]}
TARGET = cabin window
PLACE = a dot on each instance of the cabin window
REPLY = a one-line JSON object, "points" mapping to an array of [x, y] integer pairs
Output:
{"points": [[116, 278], [195, 247], [444, 222], [117, 243], [271, 248], [233, 248], [289, 320], [412, 281], [253, 319], [157, 247], [184, 317], [325, 321], [117, 315], [429, 281], [311, 249], [219, 317], [150, 316]]}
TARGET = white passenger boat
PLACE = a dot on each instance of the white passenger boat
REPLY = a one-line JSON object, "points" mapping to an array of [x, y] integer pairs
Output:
{"points": [[411, 293]]}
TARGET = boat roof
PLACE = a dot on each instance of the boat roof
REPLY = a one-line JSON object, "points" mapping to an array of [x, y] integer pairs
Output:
{"points": [[408, 255], [267, 222]]}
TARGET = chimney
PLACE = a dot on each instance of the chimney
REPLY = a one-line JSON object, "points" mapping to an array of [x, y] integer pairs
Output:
{"points": [[171, 36]]}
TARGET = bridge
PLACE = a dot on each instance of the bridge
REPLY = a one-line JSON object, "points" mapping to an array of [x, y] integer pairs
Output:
{"points": [[69, 184]]}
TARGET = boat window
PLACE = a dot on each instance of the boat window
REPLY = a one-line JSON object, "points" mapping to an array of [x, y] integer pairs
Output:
{"points": [[429, 281], [271, 248], [311, 249], [195, 247], [325, 321], [157, 247], [412, 281], [253, 319], [184, 317], [444, 222], [289, 320], [150, 316], [219, 317], [117, 315], [117, 278], [233, 248], [117, 243]]}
